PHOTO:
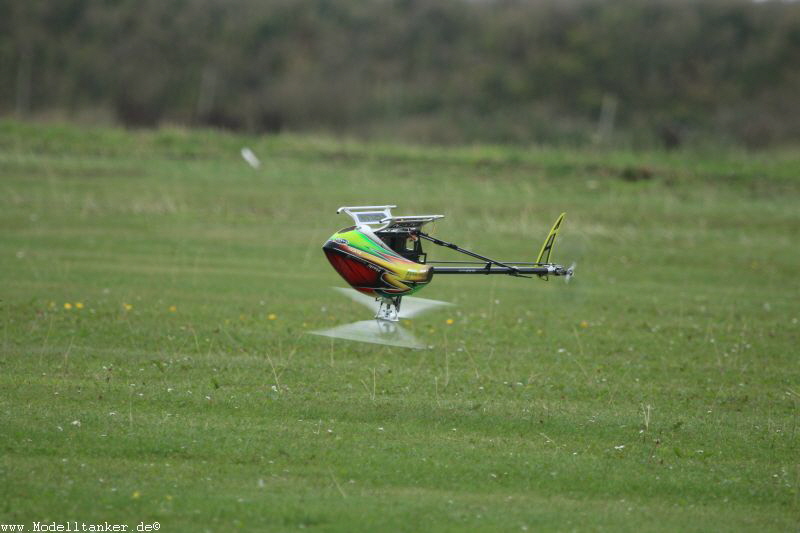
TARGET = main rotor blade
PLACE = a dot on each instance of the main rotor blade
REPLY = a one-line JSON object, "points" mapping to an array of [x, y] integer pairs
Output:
{"points": [[410, 306], [375, 332], [360, 298]]}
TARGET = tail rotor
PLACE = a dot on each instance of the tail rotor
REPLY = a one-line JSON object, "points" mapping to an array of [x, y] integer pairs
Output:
{"points": [[570, 273]]}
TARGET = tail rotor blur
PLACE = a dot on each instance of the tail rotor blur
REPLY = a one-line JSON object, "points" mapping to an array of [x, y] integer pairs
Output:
{"points": [[570, 272]]}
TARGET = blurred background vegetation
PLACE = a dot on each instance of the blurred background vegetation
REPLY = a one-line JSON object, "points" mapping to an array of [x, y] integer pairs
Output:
{"points": [[625, 72]]}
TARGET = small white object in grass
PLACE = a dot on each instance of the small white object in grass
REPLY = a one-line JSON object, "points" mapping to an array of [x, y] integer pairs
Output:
{"points": [[621, 446], [250, 157], [76, 423]]}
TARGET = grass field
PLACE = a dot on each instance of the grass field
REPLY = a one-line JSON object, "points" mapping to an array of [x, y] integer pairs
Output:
{"points": [[156, 292]]}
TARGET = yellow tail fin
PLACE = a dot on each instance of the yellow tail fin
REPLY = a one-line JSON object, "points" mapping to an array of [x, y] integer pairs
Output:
{"points": [[547, 247]]}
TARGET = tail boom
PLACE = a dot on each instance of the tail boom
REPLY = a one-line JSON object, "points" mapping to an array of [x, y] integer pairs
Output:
{"points": [[533, 270]]}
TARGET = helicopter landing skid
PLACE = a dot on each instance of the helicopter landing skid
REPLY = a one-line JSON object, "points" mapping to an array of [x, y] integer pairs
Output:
{"points": [[389, 309]]}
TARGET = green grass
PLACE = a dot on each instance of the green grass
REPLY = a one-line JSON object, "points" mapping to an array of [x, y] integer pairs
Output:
{"points": [[658, 392]]}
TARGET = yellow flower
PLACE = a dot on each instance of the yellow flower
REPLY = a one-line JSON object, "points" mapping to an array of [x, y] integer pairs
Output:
{"points": [[449, 321], [136, 495], [584, 324], [78, 305], [67, 306], [127, 307], [173, 308], [272, 316]]}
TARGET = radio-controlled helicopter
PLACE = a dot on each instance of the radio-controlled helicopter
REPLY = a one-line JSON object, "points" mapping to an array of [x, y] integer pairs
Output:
{"points": [[381, 257]]}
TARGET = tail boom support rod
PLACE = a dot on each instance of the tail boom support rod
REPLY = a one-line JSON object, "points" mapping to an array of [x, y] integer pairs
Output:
{"points": [[491, 266], [508, 269]]}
